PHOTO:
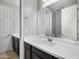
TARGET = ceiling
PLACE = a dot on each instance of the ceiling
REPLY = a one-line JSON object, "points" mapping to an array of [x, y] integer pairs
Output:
{"points": [[55, 6], [11, 2], [62, 4]]}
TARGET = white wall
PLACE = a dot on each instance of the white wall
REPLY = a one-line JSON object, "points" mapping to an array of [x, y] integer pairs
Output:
{"points": [[30, 11], [15, 20], [69, 22]]}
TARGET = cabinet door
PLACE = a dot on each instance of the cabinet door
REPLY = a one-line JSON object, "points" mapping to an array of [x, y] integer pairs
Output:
{"points": [[16, 45], [34, 56], [13, 43], [40, 53], [52, 57], [27, 53]]}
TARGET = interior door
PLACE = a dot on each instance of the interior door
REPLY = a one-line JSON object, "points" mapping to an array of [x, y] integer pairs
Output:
{"points": [[5, 28]]}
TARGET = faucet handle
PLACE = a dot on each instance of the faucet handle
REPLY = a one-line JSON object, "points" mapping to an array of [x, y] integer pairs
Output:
{"points": [[50, 39]]}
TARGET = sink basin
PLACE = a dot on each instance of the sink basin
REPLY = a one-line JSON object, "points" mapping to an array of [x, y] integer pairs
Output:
{"points": [[44, 42]]}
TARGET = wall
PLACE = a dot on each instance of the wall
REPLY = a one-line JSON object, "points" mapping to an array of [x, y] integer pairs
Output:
{"points": [[15, 20], [69, 22], [30, 12]]}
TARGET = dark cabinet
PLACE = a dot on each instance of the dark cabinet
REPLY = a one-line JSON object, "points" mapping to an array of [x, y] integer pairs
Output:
{"points": [[27, 53], [15, 44], [34, 53], [34, 56], [40, 53], [27, 49]]}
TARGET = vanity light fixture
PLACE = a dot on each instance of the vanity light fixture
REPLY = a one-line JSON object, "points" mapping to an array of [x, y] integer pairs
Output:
{"points": [[44, 0], [46, 3]]}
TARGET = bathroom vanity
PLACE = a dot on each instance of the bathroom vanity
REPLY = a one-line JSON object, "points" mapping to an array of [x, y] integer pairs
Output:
{"points": [[41, 48], [32, 52], [37, 47]]}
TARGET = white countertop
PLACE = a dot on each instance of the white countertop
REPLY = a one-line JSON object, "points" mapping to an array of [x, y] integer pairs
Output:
{"points": [[56, 48], [16, 35]]}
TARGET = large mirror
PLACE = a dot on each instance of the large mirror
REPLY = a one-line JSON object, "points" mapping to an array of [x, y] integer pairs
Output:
{"points": [[58, 18]]}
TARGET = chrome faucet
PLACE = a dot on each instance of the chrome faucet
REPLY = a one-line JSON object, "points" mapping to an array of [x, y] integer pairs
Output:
{"points": [[49, 39]]}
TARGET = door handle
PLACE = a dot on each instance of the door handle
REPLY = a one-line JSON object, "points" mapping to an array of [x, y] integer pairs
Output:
{"points": [[7, 35]]}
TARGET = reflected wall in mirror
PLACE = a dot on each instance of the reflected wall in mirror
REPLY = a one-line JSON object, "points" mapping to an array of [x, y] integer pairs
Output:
{"points": [[59, 19]]}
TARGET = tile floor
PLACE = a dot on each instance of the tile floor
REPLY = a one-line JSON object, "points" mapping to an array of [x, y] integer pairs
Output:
{"points": [[9, 55]]}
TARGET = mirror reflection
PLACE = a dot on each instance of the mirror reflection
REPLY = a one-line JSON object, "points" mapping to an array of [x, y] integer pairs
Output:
{"points": [[58, 19]]}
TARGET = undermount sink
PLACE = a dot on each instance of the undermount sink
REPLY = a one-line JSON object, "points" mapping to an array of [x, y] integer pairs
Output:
{"points": [[45, 41]]}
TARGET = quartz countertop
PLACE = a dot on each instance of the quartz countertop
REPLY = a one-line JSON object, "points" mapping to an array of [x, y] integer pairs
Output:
{"points": [[16, 35], [56, 48]]}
